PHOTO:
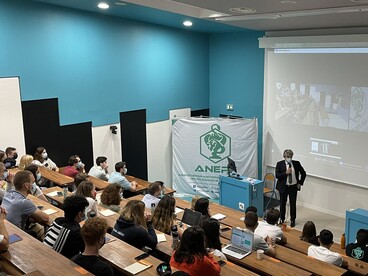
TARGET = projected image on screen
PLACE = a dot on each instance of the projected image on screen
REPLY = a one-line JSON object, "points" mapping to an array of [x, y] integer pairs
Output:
{"points": [[317, 104]]}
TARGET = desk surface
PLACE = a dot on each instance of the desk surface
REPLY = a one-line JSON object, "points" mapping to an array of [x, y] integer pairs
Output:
{"points": [[99, 183], [294, 242], [47, 206], [30, 255], [144, 184], [120, 254], [57, 178]]}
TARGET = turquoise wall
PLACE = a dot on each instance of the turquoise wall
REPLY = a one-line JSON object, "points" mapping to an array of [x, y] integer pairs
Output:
{"points": [[98, 66], [236, 77]]}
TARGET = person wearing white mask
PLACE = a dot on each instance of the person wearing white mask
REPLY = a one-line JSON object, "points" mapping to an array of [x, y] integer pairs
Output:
{"points": [[36, 191], [290, 177], [118, 177], [41, 159], [6, 179]]}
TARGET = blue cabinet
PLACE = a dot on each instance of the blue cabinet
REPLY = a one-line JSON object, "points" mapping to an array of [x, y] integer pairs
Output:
{"points": [[355, 220], [235, 192]]}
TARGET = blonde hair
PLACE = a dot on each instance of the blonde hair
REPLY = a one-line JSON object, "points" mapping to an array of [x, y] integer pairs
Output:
{"points": [[25, 161], [164, 215], [134, 212], [194, 200]]}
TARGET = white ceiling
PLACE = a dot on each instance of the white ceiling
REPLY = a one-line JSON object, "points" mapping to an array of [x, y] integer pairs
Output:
{"points": [[291, 15]]}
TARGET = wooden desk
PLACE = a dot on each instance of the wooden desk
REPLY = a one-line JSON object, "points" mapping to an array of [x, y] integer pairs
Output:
{"points": [[294, 243], [99, 183], [302, 261], [144, 184], [57, 178], [30, 255], [120, 254], [46, 205]]}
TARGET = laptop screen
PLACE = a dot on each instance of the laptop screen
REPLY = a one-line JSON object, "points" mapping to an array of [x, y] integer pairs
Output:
{"points": [[191, 217], [242, 239]]}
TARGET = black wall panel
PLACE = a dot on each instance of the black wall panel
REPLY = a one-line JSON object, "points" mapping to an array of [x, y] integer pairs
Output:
{"points": [[134, 142], [201, 112], [42, 128]]}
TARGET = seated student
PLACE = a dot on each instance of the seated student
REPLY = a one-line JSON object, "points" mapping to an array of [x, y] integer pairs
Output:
{"points": [[211, 228], [269, 227], [36, 191], [93, 233], [162, 187], [74, 167], [88, 190], [11, 157], [192, 256], [4, 236], [6, 180], [100, 170], [2, 156], [194, 201], [20, 209], [251, 224], [111, 197], [323, 252], [79, 178], [203, 206], [64, 234], [134, 227], [251, 209], [152, 196], [163, 217], [309, 233], [359, 250], [119, 178], [25, 161], [40, 158]]}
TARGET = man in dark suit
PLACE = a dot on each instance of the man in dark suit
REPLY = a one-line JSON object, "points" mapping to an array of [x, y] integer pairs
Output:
{"points": [[290, 177]]}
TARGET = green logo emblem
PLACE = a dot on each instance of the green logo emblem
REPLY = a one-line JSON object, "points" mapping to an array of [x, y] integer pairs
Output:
{"points": [[215, 145]]}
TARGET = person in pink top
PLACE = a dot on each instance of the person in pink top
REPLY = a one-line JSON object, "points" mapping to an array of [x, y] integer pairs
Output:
{"points": [[192, 256]]}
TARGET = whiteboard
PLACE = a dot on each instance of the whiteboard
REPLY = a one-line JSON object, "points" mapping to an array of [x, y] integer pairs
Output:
{"points": [[11, 119]]}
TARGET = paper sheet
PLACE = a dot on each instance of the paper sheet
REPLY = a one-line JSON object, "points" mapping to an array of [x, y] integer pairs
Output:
{"points": [[55, 193], [178, 210], [218, 216], [107, 212], [161, 237], [137, 267], [50, 211]]}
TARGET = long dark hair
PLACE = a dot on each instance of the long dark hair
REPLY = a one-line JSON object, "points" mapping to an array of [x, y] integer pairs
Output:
{"points": [[202, 206], [38, 154], [211, 228], [191, 245], [309, 232]]}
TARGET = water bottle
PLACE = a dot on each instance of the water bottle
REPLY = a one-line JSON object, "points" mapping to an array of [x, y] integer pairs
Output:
{"points": [[65, 191], [342, 241], [153, 206], [175, 242]]}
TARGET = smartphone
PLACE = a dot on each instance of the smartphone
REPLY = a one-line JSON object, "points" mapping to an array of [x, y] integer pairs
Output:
{"points": [[14, 238], [221, 262], [40, 207], [141, 257], [225, 229], [59, 193]]}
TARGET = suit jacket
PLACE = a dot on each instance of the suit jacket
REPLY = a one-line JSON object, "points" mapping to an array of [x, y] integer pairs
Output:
{"points": [[282, 176]]}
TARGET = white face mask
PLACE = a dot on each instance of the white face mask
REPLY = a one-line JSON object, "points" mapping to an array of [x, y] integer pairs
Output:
{"points": [[125, 170], [44, 155], [34, 188], [38, 176], [5, 175], [288, 160]]}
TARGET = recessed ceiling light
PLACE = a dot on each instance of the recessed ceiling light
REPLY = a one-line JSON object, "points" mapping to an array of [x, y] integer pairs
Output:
{"points": [[187, 23], [103, 5], [214, 15], [288, 2], [242, 10]]}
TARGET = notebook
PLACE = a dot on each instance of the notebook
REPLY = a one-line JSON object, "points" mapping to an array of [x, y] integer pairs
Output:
{"points": [[191, 217], [241, 244]]}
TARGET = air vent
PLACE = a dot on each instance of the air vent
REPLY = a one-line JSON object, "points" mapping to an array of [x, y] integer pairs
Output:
{"points": [[242, 10]]}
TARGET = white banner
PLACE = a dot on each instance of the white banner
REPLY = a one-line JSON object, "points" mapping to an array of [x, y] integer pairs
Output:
{"points": [[201, 147]]}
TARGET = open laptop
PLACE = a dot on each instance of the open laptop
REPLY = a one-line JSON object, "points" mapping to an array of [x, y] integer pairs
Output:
{"points": [[241, 244], [191, 217]]}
